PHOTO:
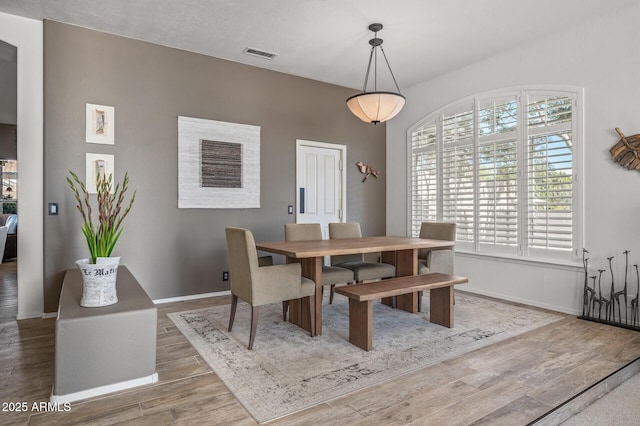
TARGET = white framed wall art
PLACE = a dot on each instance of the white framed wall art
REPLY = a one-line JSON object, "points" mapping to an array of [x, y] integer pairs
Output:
{"points": [[100, 124], [218, 164], [97, 164]]}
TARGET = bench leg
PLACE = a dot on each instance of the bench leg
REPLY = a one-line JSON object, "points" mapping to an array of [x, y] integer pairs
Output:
{"points": [[441, 306], [408, 302], [389, 301], [361, 324]]}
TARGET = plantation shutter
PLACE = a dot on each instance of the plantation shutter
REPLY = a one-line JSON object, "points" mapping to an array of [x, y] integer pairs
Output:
{"points": [[550, 175], [424, 178], [503, 167], [458, 173], [497, 185]]}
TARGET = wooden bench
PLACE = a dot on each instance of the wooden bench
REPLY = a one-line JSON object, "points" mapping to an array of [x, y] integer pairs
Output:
{"points": [[361, 297]]}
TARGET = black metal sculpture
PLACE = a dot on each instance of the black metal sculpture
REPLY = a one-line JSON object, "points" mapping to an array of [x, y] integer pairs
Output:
{"points": [[603, 300], [594, 296], [615, 298], [610, 316], [589, 293], [594, 300], [634, 301]]}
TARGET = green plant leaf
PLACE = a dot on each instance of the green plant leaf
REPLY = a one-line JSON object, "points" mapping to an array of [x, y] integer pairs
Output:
{"points": [[102, 238]]}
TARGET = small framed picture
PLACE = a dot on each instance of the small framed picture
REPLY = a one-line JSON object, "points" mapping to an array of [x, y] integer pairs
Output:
{"points": [[97, 164], [100, 124]]}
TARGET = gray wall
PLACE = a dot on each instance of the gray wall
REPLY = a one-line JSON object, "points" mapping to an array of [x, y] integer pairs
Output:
{"points": [[8, 83], [8, 146], [176, 252]]}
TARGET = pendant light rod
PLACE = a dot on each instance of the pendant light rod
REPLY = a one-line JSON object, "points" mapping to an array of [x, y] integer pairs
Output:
{"points": [[377, 106], [377, 42], [390, 72], [366, 78]]}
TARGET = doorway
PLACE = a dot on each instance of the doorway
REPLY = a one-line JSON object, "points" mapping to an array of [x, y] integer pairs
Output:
{"points": [[27, 36], [321, 183], [8, 180]]}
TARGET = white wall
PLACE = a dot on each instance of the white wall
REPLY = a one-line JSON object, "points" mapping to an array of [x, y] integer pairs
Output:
{"points": [[602, 57], [26, 35]]}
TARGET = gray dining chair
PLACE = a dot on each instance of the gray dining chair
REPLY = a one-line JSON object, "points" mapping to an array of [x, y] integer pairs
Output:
{"points": [[436, 259], [260, 286], [331, 275], [362, 270], [3, 240]]}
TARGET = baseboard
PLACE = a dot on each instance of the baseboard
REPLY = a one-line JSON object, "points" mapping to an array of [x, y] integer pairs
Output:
{"points": [[556, 308], [29, 316], [192, 297], [47, 315], [101, 390]]}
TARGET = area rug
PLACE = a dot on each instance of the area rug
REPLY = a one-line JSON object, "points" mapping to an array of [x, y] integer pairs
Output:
{"points": [[288, 371]]}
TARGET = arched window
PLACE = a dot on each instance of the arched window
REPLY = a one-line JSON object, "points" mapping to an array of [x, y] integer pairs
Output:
{"points": [[504, 167]]}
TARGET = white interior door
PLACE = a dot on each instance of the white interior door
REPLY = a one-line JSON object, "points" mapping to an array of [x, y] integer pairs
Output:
{"points": [[320, 183]]}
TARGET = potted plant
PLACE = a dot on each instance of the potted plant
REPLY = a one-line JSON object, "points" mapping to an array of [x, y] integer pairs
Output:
{"points": [[99, 272]]}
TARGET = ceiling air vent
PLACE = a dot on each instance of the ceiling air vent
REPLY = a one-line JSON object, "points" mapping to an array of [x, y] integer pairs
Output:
{"points": [[259, 53]]}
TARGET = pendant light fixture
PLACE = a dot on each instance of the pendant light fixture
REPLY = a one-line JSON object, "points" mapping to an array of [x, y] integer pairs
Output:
{"points": [[377, 106]]}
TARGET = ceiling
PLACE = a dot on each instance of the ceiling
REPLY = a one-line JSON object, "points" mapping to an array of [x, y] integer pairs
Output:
{"points": [[327, 40]]}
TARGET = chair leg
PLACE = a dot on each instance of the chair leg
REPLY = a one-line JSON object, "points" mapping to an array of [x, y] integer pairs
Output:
{"points": [[312, 314], [234, 305], [333, 289], [255, 310], [285, 308]]}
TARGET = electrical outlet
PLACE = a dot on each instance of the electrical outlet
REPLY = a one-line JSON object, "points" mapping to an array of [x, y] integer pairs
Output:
{"points": [[225, 276], [290, 209]]}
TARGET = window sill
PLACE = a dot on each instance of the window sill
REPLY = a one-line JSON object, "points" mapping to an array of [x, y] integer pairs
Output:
{"points": [[529, 261]]}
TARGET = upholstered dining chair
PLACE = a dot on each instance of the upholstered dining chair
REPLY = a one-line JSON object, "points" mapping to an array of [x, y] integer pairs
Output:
{"points": [[438, 259], [331, 275], [265, 261], [362, 270], [3, 240], [260, 286]]}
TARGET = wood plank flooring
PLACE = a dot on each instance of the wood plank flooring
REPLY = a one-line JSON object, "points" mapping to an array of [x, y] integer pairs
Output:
{"points": [[510, 383], [8, 290]]}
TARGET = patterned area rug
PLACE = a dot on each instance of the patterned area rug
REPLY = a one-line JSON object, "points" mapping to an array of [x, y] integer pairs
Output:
{"points": [[288, 371]]}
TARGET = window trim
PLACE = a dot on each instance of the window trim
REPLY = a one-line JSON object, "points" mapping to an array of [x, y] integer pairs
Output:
{"points": [[520, 93]]}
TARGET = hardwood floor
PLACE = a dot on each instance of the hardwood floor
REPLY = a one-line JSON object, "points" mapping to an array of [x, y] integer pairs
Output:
{"points": [[8, 290], [511, 383]]}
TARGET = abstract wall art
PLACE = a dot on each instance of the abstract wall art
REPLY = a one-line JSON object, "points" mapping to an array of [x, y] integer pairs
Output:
{"points": [[100, 124], [218, 164], [97, 164]]}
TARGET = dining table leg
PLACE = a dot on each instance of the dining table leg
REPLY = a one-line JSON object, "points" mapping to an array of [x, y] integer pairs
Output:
{"points": [[299, 309], [406, 263]]}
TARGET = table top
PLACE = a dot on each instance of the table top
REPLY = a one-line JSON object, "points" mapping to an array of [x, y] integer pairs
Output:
{"points": [[316, 248]]}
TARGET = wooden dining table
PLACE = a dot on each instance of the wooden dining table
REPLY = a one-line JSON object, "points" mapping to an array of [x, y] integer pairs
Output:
{"points": [[399, 251]]}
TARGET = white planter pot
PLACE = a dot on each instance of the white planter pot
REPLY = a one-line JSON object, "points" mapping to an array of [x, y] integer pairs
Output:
{"points": [[98, 281]]}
